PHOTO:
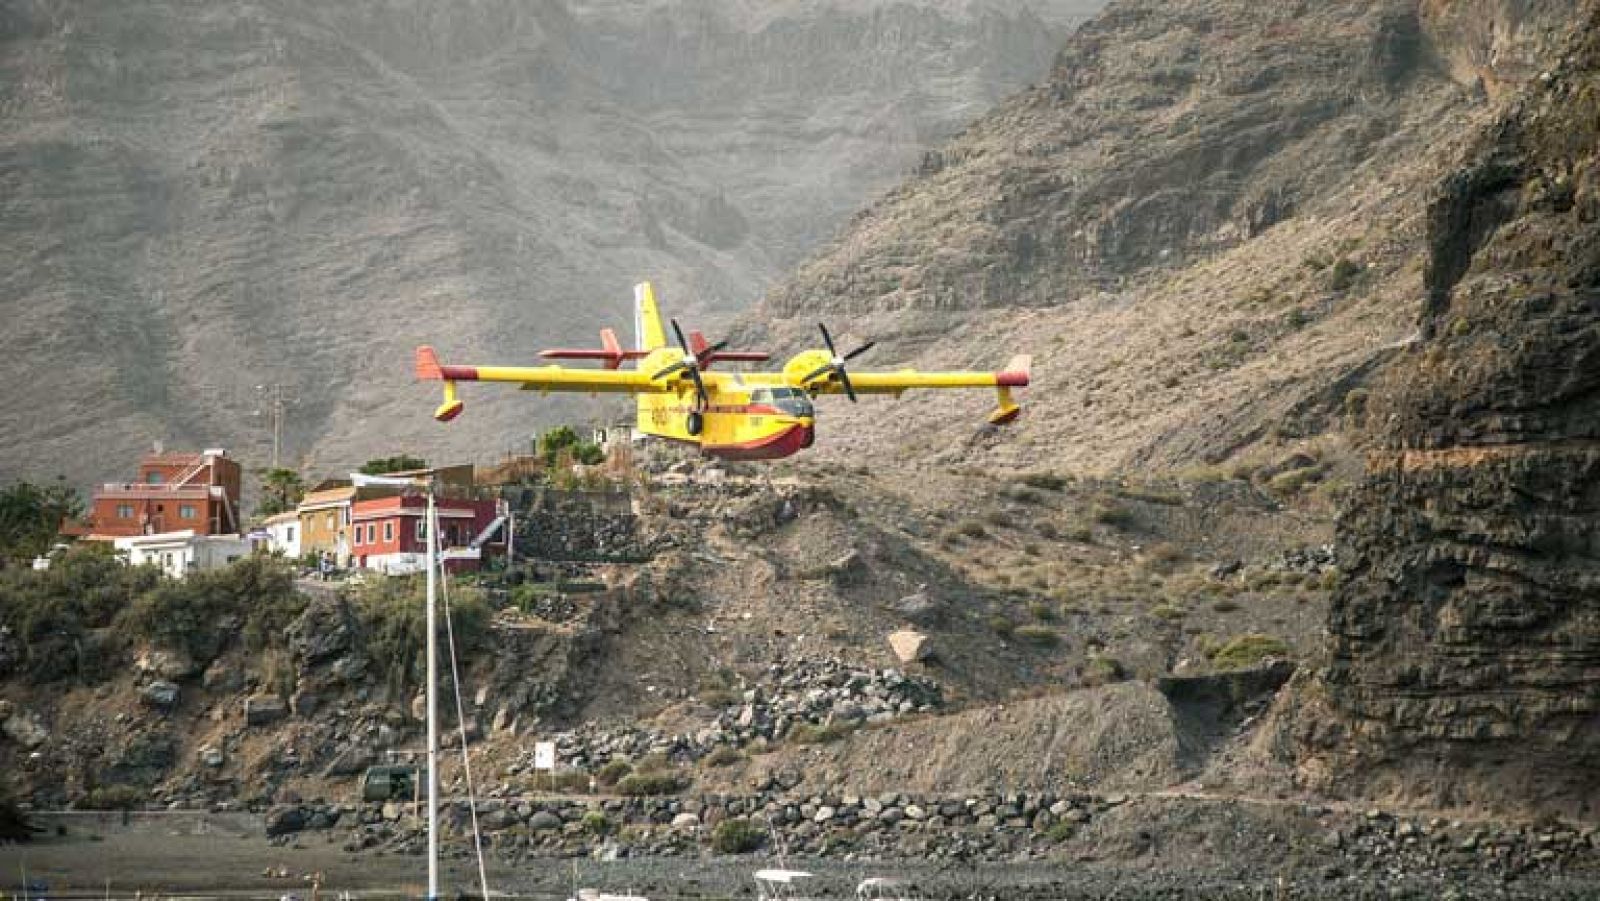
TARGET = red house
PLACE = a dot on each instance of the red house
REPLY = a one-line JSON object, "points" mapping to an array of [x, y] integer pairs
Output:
{"points": [[172, 492], [387, 533]]}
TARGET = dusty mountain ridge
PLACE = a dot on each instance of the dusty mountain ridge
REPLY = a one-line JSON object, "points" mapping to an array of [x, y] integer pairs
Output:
{"points": [[197, 203], [1205, 226]]}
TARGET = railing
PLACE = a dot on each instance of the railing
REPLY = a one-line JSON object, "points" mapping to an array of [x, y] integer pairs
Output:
{"points": [[145, 489]]}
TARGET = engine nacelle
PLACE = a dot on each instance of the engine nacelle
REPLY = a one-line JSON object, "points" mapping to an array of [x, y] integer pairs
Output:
{"points": [[803, 364]]}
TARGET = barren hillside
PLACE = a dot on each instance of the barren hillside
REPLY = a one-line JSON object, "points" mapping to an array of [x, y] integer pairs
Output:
{"points": [[200, 201]]}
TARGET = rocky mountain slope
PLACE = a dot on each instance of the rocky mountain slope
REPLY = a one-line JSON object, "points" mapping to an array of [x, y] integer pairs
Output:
{"points": [[279, 191], [1204, 225], [1464, 644]]}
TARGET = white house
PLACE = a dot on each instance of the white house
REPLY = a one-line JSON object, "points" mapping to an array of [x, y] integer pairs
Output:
{"points": [[283, 534], [181, 553]]}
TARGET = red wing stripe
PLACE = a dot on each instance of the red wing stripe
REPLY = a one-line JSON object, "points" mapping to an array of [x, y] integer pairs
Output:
{"points": [[459, 373]]}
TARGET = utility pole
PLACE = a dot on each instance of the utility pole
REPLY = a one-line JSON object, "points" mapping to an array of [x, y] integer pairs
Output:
{"points": [[276, 401]]}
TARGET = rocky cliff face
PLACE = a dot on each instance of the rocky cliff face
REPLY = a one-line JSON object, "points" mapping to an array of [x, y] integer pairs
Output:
{"points": [[1465, 642], [196, 204]]}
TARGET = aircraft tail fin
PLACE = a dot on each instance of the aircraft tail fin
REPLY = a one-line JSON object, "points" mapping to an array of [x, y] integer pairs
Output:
{"points": [[647, 329]]}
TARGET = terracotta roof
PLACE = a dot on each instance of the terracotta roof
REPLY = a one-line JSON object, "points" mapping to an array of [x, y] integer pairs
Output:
{"points": [[285, 516], [325, 498]]}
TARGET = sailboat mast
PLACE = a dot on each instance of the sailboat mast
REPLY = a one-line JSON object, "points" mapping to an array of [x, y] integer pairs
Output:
{"points": [[433, 704]]}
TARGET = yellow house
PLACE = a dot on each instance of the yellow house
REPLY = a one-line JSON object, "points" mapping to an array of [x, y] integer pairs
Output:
{"points": [[325, 523]]}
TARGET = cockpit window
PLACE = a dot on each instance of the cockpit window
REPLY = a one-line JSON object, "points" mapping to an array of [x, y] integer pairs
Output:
{"points": [[787, 400]]}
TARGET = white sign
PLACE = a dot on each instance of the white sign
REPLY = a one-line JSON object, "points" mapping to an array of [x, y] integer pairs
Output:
{"points": [[544, 755]]}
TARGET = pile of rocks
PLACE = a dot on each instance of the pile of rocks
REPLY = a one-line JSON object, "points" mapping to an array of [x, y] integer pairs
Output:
{"points": [[1378, 840], [824, 692], [998, 827], [1311, 560], [792, 693]]}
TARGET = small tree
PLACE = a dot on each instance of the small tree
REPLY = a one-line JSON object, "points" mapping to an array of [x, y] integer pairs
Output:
{"points": [[553, 442], [281, 489], [31, 516], [397, 463]]}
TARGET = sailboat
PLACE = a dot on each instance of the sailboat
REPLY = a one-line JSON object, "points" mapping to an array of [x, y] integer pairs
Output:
{"points": [[424, 480]]}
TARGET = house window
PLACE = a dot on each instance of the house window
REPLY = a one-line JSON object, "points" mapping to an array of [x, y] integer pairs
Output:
{"points": [[372, 534], [330, 522], [152, 478], [358, 536], [344, 516], [288, 535], [124, 511], [422, 530], [388, 531], [186, 511]]}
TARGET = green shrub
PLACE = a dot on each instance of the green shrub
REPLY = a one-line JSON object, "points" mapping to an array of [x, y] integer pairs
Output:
{"points": [[1225, 606], [1002, 626], [1103, 670], [723, 756], [1042, 611], [393, 616], [613, 772], [1111, 512], [56, 614], [1289, 483], [649, 784], [1061, 831], [570, 781], [719, 697], [1169, 612], [595, 823], [1344, 274], [1044, 481], [737, 836], [1039, 636], [972, 528], [1245, 651], [253, 599], [654, 762]]}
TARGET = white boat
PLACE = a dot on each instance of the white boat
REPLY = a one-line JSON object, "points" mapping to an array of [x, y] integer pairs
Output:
{"points": [[883, 888], [589, 894], [782, 885]]}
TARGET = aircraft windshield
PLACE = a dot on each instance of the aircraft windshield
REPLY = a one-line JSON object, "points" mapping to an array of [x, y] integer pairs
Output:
{"points": [[787, 400]]}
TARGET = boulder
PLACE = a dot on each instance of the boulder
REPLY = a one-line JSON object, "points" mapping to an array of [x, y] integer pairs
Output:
{"points": [[164, 663], [160, 694], [910, 646], [686, 821], [919, 608], [351, 760], [262, 710], [285, 819], [543, 821], [25, 729]]}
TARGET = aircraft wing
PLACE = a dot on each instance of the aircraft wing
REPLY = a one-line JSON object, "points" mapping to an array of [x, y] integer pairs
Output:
{"points": [[532, 378], [1015, 375]]}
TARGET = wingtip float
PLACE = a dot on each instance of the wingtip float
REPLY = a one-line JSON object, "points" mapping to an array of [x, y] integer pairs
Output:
{"points": [[734, 415]]}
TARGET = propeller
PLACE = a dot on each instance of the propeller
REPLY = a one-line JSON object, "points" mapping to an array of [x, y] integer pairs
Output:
{"points": [[835, 365], [691, 364]]}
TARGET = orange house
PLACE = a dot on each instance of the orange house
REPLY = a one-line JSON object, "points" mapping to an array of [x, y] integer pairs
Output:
{"points": [[172, 492]]}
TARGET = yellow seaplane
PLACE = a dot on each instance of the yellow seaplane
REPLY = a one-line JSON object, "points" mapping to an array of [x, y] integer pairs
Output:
{"points": [[732, 415]]}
